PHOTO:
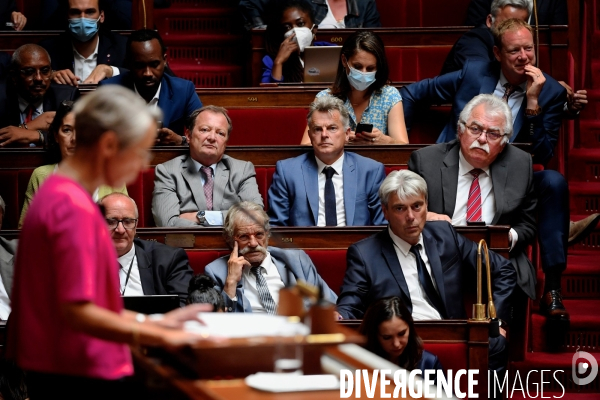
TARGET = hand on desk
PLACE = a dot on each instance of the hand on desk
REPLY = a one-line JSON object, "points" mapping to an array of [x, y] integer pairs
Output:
{"points": [[176, 318]]}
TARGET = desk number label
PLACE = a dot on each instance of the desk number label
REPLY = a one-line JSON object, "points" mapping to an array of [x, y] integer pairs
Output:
{"points": [[252, 99], [337, 39], [287, 239]]}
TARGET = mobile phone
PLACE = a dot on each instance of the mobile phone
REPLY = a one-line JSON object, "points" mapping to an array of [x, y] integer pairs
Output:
{"points": [[364, 128], [475, 223]]}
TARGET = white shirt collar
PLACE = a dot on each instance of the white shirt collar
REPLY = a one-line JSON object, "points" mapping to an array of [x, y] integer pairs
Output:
{"points": [[403, 245], [154, 100], [126, 258], [198, 166], [504, 81], [92, 56], [337, 165], [464, 167]]}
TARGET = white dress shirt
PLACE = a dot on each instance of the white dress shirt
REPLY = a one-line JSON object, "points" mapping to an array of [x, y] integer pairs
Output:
{"points": [[421, 309], [274, 283], [329, 22], [338, 185], [4, 302], [83, 67], [154, 101], [134, 284], [515, 100], [488, 200]]}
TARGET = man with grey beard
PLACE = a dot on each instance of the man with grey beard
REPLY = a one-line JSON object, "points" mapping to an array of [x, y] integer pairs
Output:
{"points": [[481, 177], [252, 275]]}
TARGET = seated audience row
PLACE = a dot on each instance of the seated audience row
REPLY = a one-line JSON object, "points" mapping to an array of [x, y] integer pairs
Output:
{"points": [[329, 14]]}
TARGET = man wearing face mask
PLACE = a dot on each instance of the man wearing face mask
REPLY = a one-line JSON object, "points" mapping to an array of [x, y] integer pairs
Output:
{"points": [[85, 53]]}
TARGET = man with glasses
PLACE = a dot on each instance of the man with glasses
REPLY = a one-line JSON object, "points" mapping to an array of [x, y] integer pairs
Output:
{"points": [[146, 267], [480, 177], [27, 98], [252, 275], [536, 101]]}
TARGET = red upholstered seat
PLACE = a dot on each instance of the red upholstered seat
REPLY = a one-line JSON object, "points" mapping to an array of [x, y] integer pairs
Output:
{"points": [[200, 259], [409, 64], [452, 356], [267, 126], [412, 13], [331, 265]]}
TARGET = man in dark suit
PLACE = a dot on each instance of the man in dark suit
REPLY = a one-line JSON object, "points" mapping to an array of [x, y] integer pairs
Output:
{"points": [[85, 53], [198, 188], [302, 194], [505, 179], [28, 99], [478, 43], [146, 267], [252, 275], [176, 97], [550, 12], [421, 262]]}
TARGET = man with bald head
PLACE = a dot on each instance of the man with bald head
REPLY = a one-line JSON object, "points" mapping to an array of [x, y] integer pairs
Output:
{"points": [[28, 99], [146, 267]]}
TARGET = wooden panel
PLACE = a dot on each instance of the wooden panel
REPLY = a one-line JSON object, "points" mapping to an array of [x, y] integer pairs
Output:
{"points": [[11, 40]]}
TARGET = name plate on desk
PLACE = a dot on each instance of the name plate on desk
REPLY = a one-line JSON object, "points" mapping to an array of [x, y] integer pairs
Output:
{"points": [[183, 240]]}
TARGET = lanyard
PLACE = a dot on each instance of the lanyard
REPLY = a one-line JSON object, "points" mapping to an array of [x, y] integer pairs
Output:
{"points": [[128, 273]]}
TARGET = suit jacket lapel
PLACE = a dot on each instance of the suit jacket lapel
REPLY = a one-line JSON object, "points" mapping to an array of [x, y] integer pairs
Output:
{"points": [[104, 48], [390, 256], [286, 274], [192, 177], [6, 266], [350, 186], [145, 271], [499, 176], [449, 178], [311, 185], [165, 100], [489, 81], [221, 181], [518, 124], [435, 264]]}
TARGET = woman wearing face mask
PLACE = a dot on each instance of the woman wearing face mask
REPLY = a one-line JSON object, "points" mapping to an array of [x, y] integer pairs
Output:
{"points": [[61, 145], [391, 334], [290, 29], [362, 83]]}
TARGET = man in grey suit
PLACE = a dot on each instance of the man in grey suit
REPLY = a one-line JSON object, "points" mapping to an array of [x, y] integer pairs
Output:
{"points": [[504, 180], [252, 275], [8, 249], [198, 189]]}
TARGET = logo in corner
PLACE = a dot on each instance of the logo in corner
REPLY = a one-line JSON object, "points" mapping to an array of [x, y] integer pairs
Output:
{"points": [[581, 368]]}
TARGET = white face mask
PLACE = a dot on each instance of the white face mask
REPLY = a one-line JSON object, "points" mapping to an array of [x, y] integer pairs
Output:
{"points": [[304, 37]]}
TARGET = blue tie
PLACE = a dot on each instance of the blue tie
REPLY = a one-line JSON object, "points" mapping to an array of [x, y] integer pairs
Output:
{"points": [[330, 211]]}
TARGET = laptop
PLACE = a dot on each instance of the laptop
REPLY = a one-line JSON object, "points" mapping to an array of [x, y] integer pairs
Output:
{"points": [[158, 304], [321, 63]]}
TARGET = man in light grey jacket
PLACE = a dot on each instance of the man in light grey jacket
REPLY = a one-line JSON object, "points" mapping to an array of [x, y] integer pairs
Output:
{"points": [[199, 188]]}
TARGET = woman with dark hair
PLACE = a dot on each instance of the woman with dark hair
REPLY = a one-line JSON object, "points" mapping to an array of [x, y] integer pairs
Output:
{"points": [[290, 29], [202, 291], [362, 83], [391, 334], [61, 145]]}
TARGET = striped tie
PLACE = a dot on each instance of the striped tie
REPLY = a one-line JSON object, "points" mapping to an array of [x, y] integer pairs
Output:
{"points": [[508, 90], [208, 186], [263, 290], [474, 200]]}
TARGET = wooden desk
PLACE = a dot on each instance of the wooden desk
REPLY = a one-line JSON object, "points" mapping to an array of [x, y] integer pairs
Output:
{"points": [[12, 40], [260, 156]]}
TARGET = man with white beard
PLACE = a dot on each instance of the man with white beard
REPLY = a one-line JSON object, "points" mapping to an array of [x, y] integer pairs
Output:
{"points": [[481, 177]]}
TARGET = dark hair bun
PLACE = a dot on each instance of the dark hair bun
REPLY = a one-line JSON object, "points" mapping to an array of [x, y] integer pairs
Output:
{"points": [[201, 282]]}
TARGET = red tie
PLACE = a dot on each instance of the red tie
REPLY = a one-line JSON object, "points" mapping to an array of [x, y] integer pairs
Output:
{"points": [[474, 200], [29, 111]]}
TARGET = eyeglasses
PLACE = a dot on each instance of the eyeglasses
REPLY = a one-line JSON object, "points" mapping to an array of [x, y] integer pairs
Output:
{"points": [[491, 136], [246, 237], [128, 223], [45, 72]]}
